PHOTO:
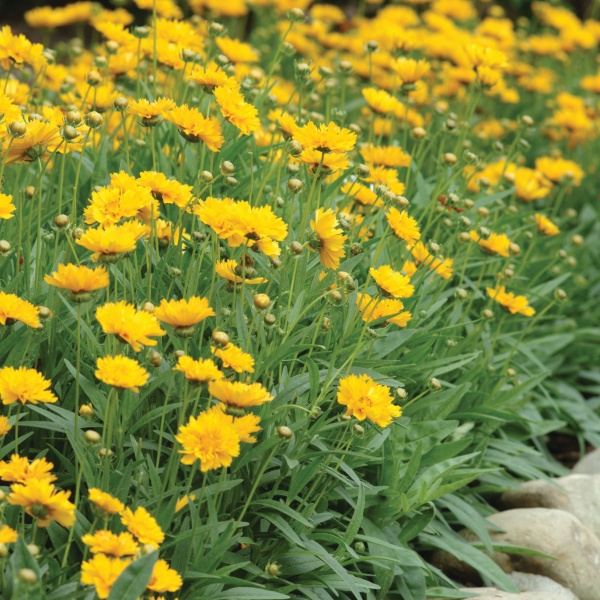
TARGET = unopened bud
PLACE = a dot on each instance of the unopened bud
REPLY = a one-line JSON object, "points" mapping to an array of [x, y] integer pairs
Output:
{"points": [[220, 338], [283, 431], [262, 301], [28, 576], [434, 384], [450, 158], [295, 185], [91, 437]]}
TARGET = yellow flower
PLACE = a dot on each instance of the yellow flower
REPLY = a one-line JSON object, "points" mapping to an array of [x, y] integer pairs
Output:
{"points": [[102, 571], [495, 244], [108, 243], [18, 469], [24, 385], [8, 535], [236, 51], [379, 100], [404, 226], [105, 502], [13, 308], [385, 156], [325, 138], [409, 70], [107, 542], [184, 501], [151, 110], [238, 394], [198, 371], [389, 309], [334, 161], [545, 225], [164, 579], [441, 267], [392, 283], [40, 137], [80, 280], [513, 304], [559, 169], [238, 112], [210, 77], [234, 358], [111, 204], [365, 399], [168, 191], [530, 184], [194, 127], [214, 438], [143, 526], [228, 269], [184, 314], [327, 238], [7, 208], [42, 501], [121, 372], [131, 326], [5, 426]]}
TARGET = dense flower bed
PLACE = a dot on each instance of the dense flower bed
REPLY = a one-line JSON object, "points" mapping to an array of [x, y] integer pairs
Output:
{"points": [[288, 296]]}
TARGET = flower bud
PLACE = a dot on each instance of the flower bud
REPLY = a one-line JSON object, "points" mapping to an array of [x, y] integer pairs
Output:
{"points": [[226, 168], [326, 323], [295, 185], [577, 240], [401, 393], [346, 67], [155, 359], [4, 247], [434, 384], [511, 372], [61, 221], [29, 191], [294, 148], [220, 338], [560, 295], [28, 575], [296, 15], [283, 431], [93, 78], [358, 429], [488, 314], [215, 29], [363, 171], [262, 301], [450, 158], [3, 551], [34, 549], [273, 569], [514, 249], [91, 437], [461, 293], [94, 120], [269, 320], [121, 104], [527, 120], [70, 133], [418, 133], [17, 129], [86, 410]]}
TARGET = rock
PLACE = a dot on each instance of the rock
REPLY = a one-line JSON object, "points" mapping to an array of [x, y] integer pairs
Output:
{"points": [[494, 594], [575, 548], [589, 464], [576, 494], [528, 582]]}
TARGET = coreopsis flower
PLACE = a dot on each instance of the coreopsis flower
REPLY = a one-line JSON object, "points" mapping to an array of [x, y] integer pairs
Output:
{"points": [[530, 184], [8, 535], [150, 111], [327, 238], [365, 399], [168, 191], [40, 137], [234, 358], [198, 371], [102, 571], [79, 280], [42, 501], [105, 503], [545, 225], [17, 50], [109, 243], [5, 425], [131, 326], [213, 438], [7, 208], [385, 156], [18, 469], [121, 372], [403, 225], [112, 204], [112, 544], [13, 308], [392, 283], [440, 266], [325, 138], [286, 123], [379, 101], [24, 385], [409, 70], [184, 314], [143, 526], [559, 169], [513, 304], [194, 127], [238, 394], [232, 272], [210, 77], [184, 501], [236, 110], [391, 310], [163, 578], [494, 244], [236, 51], [329, 163]]}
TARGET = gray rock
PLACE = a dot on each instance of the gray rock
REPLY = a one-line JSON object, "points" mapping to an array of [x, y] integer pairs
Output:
{"points": [[528, 582], [589, 464], [576, 494], [575, 548]]}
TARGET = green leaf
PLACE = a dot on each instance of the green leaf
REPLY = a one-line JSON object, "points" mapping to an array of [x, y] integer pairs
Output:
{"points": [[17, 589], [132, 582]]}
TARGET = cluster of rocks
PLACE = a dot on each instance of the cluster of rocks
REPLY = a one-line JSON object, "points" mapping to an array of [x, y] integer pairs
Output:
{"points": [[556, 517]]}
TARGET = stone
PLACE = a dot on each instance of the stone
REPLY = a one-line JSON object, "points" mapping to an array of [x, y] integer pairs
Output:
{"points": [[575, 548], [494, 594], [576, 494], [528, 582], [589, 464]]}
